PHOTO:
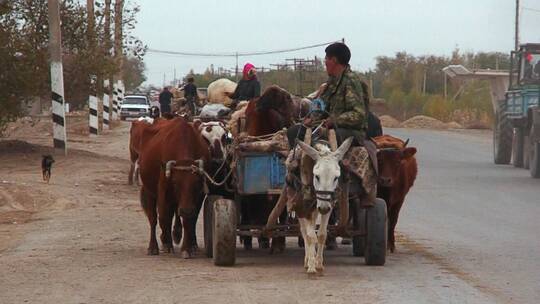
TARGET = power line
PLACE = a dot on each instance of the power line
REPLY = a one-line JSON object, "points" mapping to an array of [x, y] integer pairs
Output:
{"points": [[237, 54], [531, 9]]}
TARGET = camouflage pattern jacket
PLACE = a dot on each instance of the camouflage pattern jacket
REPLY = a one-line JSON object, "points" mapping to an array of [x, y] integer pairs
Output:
{"points": [[347, 100]]}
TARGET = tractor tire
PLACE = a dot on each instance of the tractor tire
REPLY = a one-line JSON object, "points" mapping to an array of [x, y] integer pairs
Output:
{"points": [[224, 233], [502, 138], [534, 160], [377, 234], [518, 144], [208, 222], [526, 151]]}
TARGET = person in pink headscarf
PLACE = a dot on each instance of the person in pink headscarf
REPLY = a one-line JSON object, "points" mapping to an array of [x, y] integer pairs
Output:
{"points": [[248, 87]]}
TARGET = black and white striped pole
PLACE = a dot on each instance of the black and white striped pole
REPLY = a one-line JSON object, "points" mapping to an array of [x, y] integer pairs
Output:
{"points": [[57, 77], [120, 87], [93, 108], [106, 105], [115, 101]]}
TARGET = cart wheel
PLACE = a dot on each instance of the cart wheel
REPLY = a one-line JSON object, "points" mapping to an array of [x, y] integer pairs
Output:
{"points": [[208, 222], [377, 234], [224, 233], [359, 241]]}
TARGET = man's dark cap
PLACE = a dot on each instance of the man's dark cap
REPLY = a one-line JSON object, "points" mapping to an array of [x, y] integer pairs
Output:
{"points": [[340, 51]]}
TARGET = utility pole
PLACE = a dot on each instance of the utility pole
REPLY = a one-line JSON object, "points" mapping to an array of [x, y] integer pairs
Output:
{"points": [[236, 72], [445, 87], [424, 84], [371, 87], [107, 100], [118, 55], [93, 121], [516, 46], [57, 77]]}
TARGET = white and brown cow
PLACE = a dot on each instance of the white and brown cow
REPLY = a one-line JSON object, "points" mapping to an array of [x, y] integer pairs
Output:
{"points": [[217, 136]]}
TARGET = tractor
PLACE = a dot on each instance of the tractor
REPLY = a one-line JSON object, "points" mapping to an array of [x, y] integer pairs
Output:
{"points": [[516, 103], [516, 132]]}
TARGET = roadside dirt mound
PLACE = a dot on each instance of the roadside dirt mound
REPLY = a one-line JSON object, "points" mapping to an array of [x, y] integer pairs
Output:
{"points": [[388, 121], [26, 125], [423, 122], [21, 147], [77, 123], [454, 125]]}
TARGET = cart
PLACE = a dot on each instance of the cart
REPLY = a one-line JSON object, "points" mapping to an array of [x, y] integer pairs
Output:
{"points": [[264, 173]]}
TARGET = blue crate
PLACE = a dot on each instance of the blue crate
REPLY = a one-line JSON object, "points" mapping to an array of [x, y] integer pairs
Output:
{"points": [[259, 173]]}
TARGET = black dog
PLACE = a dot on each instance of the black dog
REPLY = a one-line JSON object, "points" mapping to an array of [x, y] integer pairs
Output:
{"points": [[46, 165]]}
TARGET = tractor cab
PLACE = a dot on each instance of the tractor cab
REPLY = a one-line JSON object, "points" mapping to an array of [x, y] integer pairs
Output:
{"points": [[525, 66]]}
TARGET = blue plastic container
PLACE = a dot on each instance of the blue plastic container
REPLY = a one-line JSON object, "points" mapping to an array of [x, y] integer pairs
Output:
{"points": [[260, 173]]}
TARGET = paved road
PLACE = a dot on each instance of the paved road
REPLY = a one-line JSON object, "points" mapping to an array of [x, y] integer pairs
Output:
{"points": [[479, 218], [468, 234]]}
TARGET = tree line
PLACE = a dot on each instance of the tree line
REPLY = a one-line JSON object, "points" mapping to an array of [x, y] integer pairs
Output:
{"points": [[408, 85], [87, 51], [413, 85]]}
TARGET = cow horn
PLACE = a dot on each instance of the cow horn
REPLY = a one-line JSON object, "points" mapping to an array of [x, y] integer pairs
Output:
{"points": [[168, 168], [406, 142]]}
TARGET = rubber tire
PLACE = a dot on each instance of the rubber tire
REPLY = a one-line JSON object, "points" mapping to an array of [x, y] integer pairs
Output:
{"points": [[534, 160], [526, 153], [502, 138], [208, 222], [377, 234], [358, 241], [224, 233], [518, 141]]}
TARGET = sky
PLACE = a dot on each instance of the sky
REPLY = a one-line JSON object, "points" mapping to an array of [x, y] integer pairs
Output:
{"points": [[370, 29]]}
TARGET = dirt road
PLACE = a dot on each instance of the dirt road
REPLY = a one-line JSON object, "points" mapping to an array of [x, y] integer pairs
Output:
{"points": [[83, 238]]}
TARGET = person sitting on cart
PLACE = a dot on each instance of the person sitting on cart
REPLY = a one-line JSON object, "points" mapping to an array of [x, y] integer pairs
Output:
{"points": [[345, 100], [248, 87]]}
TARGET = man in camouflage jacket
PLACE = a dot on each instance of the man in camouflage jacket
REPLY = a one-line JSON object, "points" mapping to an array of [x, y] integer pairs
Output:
{"points": [[345, 100], [345, 97]]}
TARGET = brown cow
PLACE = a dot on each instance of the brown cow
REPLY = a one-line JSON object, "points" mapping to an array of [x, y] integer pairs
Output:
{"points": [[397, 173], [135, 143], [170, 149]]}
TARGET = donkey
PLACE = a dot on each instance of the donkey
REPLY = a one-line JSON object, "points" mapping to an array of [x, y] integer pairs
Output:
{"points": [[326, 173]]}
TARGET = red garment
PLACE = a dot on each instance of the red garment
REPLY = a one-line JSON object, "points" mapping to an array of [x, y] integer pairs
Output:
{"points": [[247, 67]]}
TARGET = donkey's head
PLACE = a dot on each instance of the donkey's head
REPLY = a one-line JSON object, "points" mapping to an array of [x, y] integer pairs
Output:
{"points": [[326, 172]]}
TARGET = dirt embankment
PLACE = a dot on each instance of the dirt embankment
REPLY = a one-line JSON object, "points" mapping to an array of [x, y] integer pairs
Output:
{"points": [[418, 122]]}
